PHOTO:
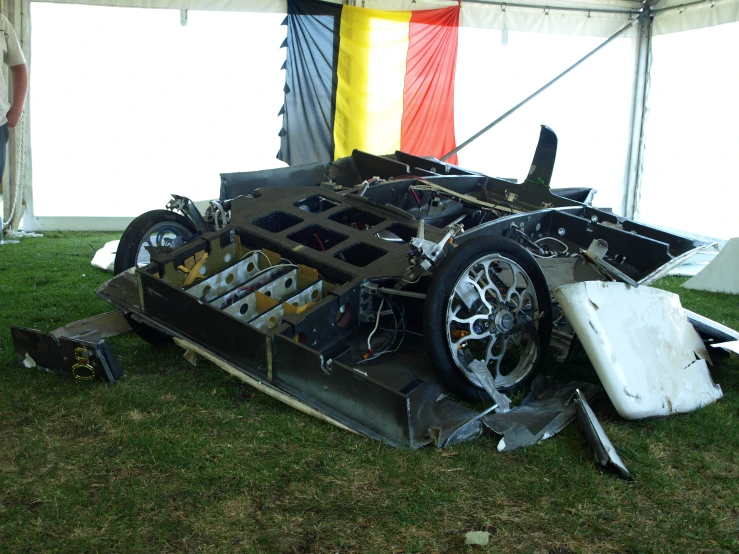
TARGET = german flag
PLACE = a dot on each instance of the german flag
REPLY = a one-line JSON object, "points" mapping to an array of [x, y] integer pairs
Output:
{"points": [[373, 80]]}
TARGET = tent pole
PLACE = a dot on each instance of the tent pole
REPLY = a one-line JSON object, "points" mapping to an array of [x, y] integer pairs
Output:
{"points": [[630, 199], [5, 190], [542, 89], [13, 202], [17, 156]]}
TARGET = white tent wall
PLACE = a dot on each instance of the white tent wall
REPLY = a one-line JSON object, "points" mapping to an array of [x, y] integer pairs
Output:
{"points": [[589, 109], [617, 176], [254, 6], [691, 116], [674, 16], [691, 140], [164, 113]]}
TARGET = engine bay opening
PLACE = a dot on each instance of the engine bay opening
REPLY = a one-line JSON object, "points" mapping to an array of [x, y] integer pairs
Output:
{"points": [[397, 233], [317, 238], [357, 219], [360, 254], [277, 222]]}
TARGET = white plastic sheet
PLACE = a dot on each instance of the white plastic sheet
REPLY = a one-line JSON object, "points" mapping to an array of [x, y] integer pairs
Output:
{"points": [[722, 274], [105, 257]]}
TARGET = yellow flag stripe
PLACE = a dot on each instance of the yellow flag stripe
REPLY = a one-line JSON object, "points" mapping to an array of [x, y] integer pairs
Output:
{"points": [[371, 76]]}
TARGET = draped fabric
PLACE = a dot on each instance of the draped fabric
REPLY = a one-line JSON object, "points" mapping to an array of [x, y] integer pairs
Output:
{"points": [[428, 96], [372, 62], [310, 82], [372, 80]]}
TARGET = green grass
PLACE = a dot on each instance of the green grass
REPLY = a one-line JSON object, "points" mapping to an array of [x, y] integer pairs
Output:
{"points": [[179, 458]]}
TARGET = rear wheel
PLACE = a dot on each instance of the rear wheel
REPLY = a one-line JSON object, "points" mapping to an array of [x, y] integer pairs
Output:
{"points": [[154, 232], [488, 303]]}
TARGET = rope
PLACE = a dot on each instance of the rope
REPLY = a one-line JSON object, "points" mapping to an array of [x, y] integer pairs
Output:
{"points": [[20, 171]]}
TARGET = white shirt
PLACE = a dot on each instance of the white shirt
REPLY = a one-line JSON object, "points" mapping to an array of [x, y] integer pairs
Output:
{"points": [[12, 55]]}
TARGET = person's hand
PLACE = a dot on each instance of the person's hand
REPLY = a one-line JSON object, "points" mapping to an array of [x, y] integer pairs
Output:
{"points": [[14, 116]]}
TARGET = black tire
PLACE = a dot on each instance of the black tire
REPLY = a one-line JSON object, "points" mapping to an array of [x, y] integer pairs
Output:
{"points": [[128, 252], [437, 304], [133, 236]]}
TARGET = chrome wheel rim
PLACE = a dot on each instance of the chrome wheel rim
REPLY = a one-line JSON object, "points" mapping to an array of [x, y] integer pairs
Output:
{"points": [[486, 320], [161, 238]]}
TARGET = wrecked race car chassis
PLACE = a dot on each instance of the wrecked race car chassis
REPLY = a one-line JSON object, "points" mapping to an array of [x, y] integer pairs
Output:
{"points": [[369, 288]]}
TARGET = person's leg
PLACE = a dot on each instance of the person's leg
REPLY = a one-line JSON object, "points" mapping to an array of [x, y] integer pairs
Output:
{"points": [[4, 134]]}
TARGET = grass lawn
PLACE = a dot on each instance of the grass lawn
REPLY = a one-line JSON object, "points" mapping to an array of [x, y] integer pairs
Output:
{"points": [[179, 458]]}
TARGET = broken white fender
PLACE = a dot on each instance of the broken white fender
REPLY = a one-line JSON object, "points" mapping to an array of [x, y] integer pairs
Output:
{"points": [[649, 358]]}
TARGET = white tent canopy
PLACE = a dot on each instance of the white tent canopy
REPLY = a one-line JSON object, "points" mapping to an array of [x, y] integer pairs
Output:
{"points": [[506, 51]]}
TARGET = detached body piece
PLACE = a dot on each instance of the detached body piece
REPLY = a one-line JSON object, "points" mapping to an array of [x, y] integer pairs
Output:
{"points": [[649, 358], [83, 359], [77, 348], [604, 451], [541, 415], [712, 332]]}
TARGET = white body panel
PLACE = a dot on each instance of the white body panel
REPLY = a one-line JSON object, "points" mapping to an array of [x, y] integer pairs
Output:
{"points": [[649, 358]]}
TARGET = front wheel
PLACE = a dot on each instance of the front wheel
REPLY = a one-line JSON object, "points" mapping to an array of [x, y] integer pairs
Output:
{"points": [[157, 231], [488, 303]]}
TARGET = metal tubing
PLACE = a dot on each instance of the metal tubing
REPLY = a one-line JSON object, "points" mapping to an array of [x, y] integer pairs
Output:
{"points": [[542, 89], [407, 293], [374, 289], [669, 8], [638, 120], [555, 8]]}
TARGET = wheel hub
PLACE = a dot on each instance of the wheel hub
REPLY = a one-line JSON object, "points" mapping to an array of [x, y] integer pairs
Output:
{"points": [[504, 321]]}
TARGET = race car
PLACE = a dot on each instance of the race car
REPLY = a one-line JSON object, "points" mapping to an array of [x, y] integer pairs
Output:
{"points": [[371, 286]]}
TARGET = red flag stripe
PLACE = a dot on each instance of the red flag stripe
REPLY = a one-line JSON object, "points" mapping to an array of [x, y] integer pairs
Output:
{"points": [[427, 127]]}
